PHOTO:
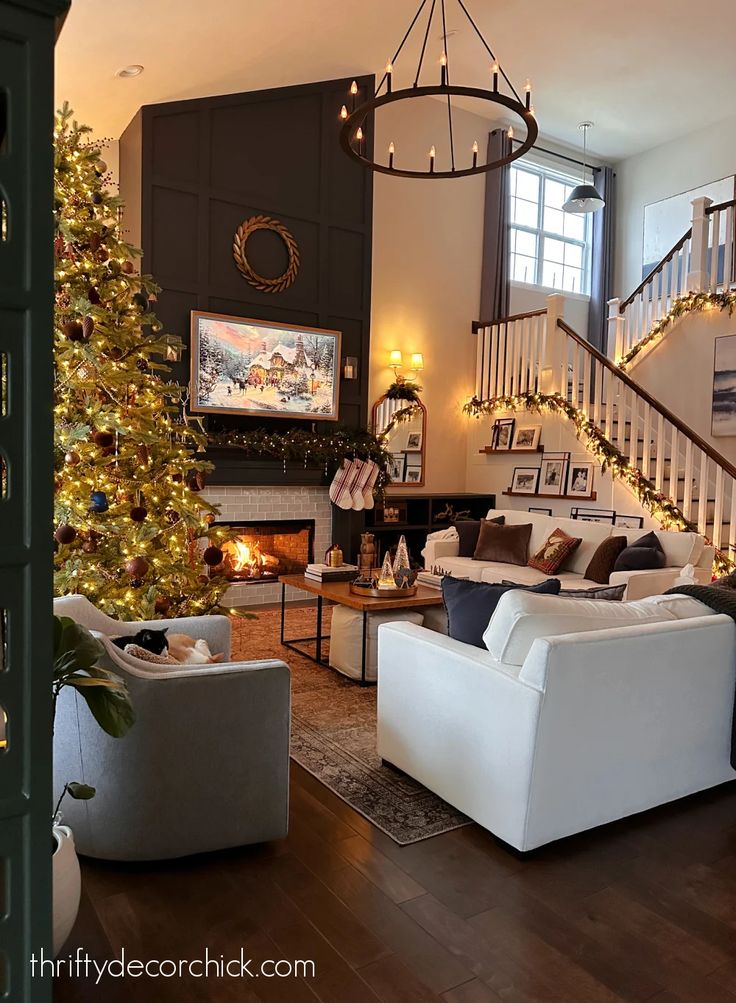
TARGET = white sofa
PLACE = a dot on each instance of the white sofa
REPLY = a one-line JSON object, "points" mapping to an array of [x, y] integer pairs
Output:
{"points": [[679, 548], [580, 712]]}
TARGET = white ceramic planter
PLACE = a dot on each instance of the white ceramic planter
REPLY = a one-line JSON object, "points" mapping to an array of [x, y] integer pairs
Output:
{"points": [[67, 885]]}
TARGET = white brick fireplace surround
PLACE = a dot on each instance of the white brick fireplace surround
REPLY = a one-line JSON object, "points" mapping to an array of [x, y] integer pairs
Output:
{"points": [[261, 505]]}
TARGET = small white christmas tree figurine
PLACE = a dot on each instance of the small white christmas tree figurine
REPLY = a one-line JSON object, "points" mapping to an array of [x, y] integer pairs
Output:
{"points": [[386, 578], [402, 555]]}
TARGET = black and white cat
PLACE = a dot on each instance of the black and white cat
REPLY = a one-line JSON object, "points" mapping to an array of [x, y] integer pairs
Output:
{"points": [[150, 640]]}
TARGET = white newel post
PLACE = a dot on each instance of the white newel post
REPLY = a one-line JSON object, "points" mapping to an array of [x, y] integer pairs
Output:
{"points": [[554, 357], [697, 278], [616, 330]]}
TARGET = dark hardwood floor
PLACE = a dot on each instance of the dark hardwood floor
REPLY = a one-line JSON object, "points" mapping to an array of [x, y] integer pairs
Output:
{"points": [[644, 909]]}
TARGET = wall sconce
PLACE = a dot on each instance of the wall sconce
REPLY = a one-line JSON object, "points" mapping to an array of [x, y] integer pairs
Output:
{"points": [[350, 367], [396, 362]]}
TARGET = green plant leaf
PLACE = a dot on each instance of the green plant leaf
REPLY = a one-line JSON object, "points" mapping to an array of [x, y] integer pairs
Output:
{"points": [[80, 792], [73, 637], [111, 709]]}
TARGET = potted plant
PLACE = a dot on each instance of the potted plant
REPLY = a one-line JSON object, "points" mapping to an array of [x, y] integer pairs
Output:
{"points": [[76, 654]]}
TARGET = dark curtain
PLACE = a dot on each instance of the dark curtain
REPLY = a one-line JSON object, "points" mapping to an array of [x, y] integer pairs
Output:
{"points": [[601, 277], [494, 288]]}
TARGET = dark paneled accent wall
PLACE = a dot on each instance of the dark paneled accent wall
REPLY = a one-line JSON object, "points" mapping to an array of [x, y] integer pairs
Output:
{"points": [[192, 171]]}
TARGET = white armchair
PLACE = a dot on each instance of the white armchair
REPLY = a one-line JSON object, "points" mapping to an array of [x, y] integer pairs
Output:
{"points": [[204, 767]]}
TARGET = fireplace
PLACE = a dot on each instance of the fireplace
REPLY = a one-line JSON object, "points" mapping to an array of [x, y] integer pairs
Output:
{"points": [[264, 550]]}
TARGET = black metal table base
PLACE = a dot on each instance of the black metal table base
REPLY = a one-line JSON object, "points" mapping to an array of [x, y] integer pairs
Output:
{"points": [[319, 637]]}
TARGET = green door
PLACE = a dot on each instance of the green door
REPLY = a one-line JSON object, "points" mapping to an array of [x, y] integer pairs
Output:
{"points": [[27, 33]]}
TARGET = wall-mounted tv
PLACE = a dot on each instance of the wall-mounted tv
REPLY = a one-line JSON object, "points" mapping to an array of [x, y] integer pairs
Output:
{"points": [[271, 370]]}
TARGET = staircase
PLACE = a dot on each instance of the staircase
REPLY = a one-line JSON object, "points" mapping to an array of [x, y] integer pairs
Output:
{"points": [[536, 360], [702, 261]]}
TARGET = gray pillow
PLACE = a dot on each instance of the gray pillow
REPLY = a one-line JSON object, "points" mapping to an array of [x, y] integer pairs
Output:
{"points": [[614, 593]]}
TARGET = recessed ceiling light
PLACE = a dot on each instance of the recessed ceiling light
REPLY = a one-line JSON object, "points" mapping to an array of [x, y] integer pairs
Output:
{"points": [[134, 70]]}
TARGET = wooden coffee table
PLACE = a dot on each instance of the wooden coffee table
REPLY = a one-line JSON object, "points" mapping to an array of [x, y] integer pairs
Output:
{"points": [[339, 593]]}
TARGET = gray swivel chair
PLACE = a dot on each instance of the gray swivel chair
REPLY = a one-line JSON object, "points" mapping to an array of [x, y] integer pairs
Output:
{"points": [[204, 767]]}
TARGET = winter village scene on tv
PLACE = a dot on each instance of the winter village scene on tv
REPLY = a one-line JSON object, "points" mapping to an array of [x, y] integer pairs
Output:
{"points": [[249, 367]]}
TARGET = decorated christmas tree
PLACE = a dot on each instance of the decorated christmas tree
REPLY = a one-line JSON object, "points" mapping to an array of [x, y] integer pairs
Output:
{"points": [[132, 532]]}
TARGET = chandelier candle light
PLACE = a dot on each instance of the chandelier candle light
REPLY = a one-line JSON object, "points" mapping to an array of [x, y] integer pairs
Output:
{"points": [[355, 122]]}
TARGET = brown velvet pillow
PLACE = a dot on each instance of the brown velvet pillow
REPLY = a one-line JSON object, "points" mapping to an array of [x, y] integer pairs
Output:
{"points": [[504, 544], [602, 562]]}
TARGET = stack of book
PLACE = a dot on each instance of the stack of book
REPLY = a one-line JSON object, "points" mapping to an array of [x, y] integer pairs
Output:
{"points": [[326, 573]]}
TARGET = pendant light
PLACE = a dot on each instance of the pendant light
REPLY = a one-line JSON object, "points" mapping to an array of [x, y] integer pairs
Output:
{"points": [[584, 198]]}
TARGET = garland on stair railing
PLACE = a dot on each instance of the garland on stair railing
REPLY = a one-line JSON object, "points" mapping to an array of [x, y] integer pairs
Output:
{"points": [[691, 303], [662, 508]]}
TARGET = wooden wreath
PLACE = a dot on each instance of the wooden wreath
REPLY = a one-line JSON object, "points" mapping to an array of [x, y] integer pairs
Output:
{"points": [[265, 285]]}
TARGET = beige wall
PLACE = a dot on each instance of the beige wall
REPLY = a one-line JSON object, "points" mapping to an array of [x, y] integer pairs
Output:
{"points": [[679, 372], [427, 244]]}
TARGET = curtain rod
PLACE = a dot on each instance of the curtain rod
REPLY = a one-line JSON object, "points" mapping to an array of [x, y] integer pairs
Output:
{"points": [[560, 156]]}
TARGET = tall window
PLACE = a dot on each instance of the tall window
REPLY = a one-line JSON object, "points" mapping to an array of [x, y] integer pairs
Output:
{"points": [[547, 247]]}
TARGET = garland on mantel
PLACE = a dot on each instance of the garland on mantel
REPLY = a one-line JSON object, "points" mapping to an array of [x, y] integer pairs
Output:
{"points": [[315, 448], [662, 508], [691, 303]]}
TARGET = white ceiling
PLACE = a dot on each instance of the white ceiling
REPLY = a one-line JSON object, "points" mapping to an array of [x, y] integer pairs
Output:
{"points": [[644, 71]]}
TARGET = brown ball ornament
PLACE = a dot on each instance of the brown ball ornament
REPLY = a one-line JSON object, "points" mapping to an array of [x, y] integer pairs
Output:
{"points": [[213, 556], [162, 604], [172, 516], [128, 267], [72, 458], [89, 546], [65, 533], [209, 518], [73, 330], [138, 513], [103, 439], [137, 567]]}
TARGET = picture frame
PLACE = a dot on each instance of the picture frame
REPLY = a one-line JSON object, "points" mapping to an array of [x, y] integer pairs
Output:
{"points": [[526, 437], [413, 475], [629, 521], [723, 407], [502, 432], [390, 512], [414, 442], [397, 466], [553, 473], [580, 480], [244, 366], [603, 515], [540, 511], [525, 481]]}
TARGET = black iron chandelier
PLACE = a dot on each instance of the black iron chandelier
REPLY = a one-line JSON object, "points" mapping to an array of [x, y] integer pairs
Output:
{"points": [[500, 91]]}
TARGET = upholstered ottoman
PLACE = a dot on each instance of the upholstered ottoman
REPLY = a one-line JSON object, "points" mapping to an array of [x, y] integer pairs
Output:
{"points": [[346, 638]]}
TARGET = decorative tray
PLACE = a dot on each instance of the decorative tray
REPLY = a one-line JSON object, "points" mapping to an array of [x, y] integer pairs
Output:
{"points": [[367, 590]]}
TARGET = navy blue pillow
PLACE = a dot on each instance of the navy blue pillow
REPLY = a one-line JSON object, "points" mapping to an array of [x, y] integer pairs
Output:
{"points": [[470, 605], [644, 554]]}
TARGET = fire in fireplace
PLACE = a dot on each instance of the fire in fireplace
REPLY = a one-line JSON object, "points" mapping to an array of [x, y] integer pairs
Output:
{"points": [[264, 550]]}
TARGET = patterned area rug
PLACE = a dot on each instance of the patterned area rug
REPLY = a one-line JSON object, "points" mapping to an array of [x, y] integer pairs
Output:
{"points": [[333, 734]]}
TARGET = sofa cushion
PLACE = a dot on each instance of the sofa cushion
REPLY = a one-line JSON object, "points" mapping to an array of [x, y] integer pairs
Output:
{"points": [[604, 559], [470, 605], [530, 576], [682, 607], [611, 593], [506, 544], [556, 549], [468, 531], [592, 535], [463, 567], [679, 548], [521, 617], [644, 554]]}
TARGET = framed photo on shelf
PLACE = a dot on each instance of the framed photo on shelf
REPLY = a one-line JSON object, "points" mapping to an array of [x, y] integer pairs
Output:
{"points": [[629, 521], [413, 475], [540, 511], [593, 515], [553, 473], [526, 437], [413, 468], [502, 432], [391, 512], [525, 480], [414, 442], [580, 480], [397, 466]]}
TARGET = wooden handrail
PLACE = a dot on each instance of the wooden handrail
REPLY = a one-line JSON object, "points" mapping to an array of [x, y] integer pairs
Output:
{"points": [[655, 271], [720, 206], [660, 408], [478, 325]]}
